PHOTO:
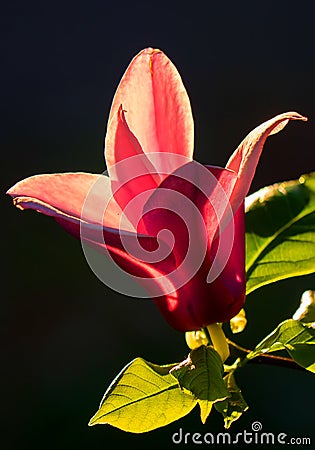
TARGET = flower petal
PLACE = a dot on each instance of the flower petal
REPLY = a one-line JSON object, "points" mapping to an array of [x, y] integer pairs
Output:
{"points": [[245, 158], [191, 193], [157, 107], [133, 173], [65, 195], [131, 252], [77, 202], [198, 303], [122, 144]]}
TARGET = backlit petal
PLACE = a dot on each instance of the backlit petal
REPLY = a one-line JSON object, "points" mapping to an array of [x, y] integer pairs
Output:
{"points": [[245, 158], [77, 202], [157, 106], [198, 303], [65, 195], [133, 173], [191, 199]]}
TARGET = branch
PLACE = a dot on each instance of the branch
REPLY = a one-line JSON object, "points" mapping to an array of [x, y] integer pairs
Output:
{"points": [[240, 352]]}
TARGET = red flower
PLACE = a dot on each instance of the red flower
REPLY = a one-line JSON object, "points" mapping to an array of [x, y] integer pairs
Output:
{"points": [[174, 225]]}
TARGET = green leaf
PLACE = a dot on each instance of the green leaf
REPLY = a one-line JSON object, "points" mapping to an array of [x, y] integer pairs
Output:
{"points": [[304, 355], [202, 375], [232, 407], [143, 397], [280, 232], [295, 337]]}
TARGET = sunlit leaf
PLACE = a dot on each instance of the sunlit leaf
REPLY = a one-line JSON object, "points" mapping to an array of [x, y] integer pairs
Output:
{"points": [[234, 406], [280, 232], [295, 337], [202, 375], [143, 397]]}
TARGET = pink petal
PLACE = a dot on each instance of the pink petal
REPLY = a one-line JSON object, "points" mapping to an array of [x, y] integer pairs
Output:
{"points": [[121, 143], [65, 195], [245, 158], [193, 186], [187, 212], [130, 251], [157, 107], [77, 202], [133, 172], [198, 303]]}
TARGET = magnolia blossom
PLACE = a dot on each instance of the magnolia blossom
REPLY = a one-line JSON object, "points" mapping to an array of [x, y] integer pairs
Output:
{"points": [[174, 225]]}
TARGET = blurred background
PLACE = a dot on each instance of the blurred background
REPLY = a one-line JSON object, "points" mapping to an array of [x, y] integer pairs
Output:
{"points": [[64, 334]]}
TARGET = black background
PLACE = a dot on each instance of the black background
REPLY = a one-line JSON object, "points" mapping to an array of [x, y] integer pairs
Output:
{"points": [[64, 334]]}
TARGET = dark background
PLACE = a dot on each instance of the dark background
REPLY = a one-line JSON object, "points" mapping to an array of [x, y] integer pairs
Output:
{"points": [[64, 334]]}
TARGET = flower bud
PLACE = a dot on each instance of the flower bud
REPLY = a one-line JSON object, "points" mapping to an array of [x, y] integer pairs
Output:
{"points": [[306, 310], [238, 322], [196, 339]]}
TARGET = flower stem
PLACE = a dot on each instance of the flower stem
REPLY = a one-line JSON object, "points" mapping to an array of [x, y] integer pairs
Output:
{"points": [[218, 340]]}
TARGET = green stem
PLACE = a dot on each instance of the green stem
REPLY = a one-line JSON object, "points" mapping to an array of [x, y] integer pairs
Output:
{"points": [[218, 340]]}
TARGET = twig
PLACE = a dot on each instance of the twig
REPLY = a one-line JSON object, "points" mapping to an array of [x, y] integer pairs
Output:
{"points": [[240, 352]]}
